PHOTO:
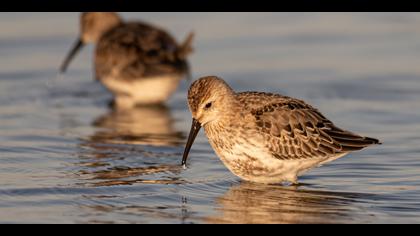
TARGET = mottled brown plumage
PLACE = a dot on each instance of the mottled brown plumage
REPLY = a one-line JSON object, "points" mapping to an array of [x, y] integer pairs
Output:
{"points": [[137, 50], [266, 137], [138, 62], [300, 130]]}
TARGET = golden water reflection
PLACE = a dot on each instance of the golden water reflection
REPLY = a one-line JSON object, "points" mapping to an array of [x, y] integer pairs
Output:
{"points": [[116, 153], [265, 204], [133, 175], [147, 125]]}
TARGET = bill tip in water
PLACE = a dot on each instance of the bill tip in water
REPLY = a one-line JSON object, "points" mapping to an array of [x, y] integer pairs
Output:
{"points": [[184, 166]]}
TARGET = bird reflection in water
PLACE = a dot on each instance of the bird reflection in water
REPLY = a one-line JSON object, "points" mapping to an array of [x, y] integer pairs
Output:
{"points": [[118, 152], [252, 203], [146, 125]]}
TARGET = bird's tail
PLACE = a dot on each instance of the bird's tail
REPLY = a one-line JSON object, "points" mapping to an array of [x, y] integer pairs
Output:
{"points": [[186, 47], [350, 141]]}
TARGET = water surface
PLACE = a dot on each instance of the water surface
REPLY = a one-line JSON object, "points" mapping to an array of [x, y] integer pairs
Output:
{"points": [[66, 158]]}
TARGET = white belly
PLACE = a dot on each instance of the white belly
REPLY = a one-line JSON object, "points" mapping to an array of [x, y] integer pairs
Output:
{"points": [[142, 91], [253, 163]]}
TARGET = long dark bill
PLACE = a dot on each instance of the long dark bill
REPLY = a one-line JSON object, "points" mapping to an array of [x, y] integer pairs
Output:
{"points": [[76, 47], [195, 127]]}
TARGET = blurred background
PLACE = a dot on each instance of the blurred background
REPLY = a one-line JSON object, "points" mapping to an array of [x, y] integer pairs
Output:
{"points": [[65, 157]]}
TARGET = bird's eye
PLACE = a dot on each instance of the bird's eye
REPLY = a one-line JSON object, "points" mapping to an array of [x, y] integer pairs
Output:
{"points": [[208, 105]]}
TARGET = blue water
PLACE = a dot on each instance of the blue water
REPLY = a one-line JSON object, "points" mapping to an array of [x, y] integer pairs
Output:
{"points": [[66, 158]]}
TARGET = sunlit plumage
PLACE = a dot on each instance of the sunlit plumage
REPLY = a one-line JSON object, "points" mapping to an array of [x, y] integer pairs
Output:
{"points": [[266, 137]]}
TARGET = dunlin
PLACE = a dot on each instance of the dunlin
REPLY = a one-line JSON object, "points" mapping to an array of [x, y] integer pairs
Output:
{"points": [[138, 62], [265, 137]]}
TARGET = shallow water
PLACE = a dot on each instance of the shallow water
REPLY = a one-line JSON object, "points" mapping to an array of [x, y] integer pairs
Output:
{"points": [[66, 158]]}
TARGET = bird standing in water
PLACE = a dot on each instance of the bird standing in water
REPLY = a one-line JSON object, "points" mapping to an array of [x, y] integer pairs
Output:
{"points": [[137, 62], [265, 137]]}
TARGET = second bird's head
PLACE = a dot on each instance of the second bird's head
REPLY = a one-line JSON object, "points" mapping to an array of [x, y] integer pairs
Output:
{"points": [[92, 26]]}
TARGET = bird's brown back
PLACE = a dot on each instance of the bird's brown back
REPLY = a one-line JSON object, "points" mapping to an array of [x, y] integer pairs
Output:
{"points": [[135, 50], [296, 130]]}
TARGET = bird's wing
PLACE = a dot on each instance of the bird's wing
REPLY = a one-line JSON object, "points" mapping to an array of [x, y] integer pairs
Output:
{"points": [[135, 50], [296, 130]]}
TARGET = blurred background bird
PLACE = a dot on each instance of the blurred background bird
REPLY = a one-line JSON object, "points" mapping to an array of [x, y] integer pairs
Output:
{"points": [[137, 62]]}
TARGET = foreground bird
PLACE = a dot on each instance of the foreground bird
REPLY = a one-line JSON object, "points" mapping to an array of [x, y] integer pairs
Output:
{"points": [[265, 137], [137, 62]]}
